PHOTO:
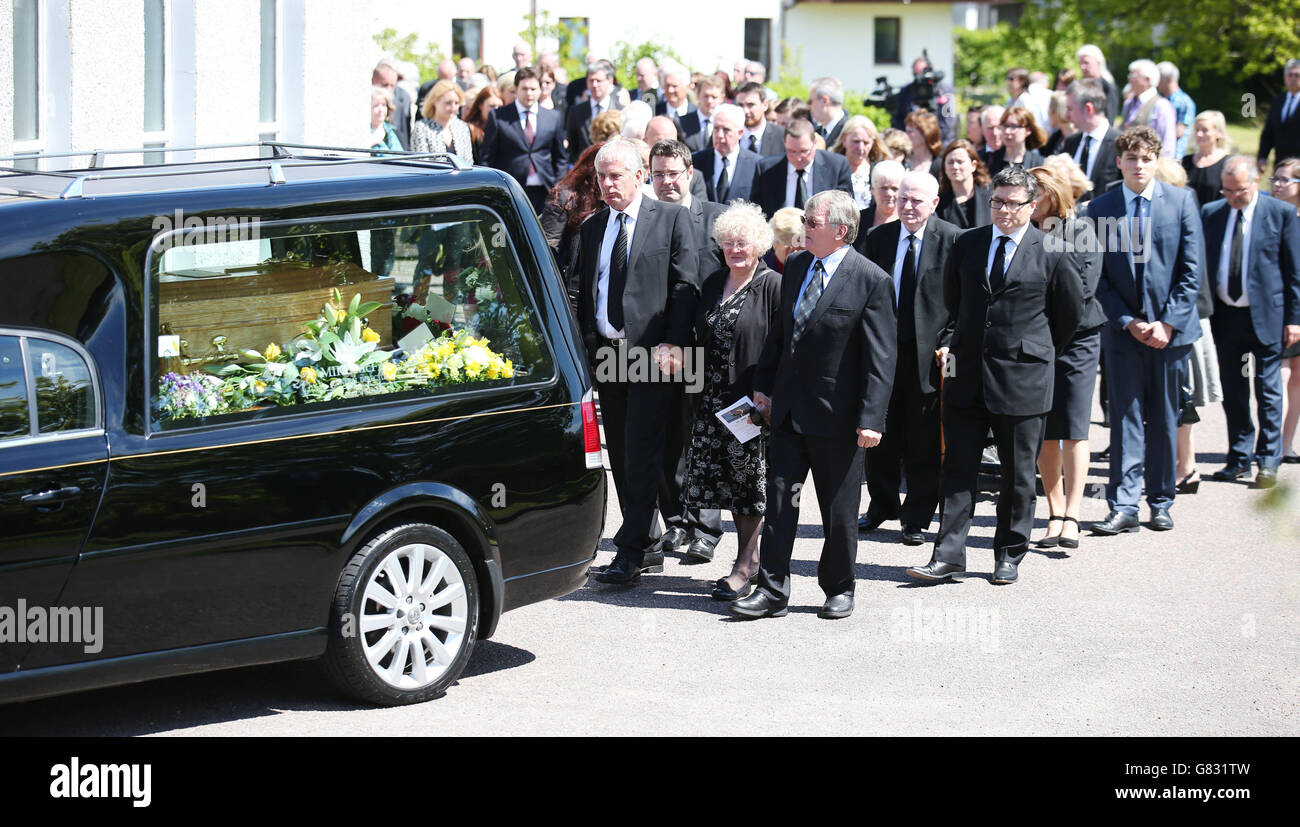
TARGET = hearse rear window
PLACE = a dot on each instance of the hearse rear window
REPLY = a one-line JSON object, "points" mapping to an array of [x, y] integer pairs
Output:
{"points": [[252, 320]]}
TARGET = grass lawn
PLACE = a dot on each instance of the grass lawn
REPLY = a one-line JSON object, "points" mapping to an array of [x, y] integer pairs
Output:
{"points": [[1244, 137]]}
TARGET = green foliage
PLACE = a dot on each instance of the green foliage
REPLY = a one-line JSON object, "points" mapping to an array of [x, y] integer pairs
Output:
{"points": [[541, 26], [624, 56], [789, 83], [402, 47]]}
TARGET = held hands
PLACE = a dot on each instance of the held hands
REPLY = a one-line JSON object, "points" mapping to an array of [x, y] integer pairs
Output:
{"points": [[669, 358], [1154, 334], [868, 438], [941, 357], [763, 404]]}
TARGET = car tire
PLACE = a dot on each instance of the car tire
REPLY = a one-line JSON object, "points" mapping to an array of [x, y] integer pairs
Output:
{"points": [[405, 617]]}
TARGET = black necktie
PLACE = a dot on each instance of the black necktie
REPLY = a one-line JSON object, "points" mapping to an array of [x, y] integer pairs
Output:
{"points": [[1234, 259], [1083, 156], [753, 144], [1139, 255], [800, 193], [723, 184], [617, 275], [907, 294], [998, 270]]}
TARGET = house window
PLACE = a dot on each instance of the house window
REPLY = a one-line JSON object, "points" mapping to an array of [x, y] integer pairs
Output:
{"points": [[27, 63], [268, 108], [467, 39], [155, 79], [574, 43], [887, 32], [758, 39], [1008, 13]]}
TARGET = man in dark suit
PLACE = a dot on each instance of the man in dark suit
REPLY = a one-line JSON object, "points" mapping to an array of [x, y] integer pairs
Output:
{"points": [[1093, 146], [697, 125], [675, 104], [728, 169], [639, 286], [914, 251], [942, 101], [760, 136], [789, 180], [647, 83], [823, 382], [697, 529], [1015, 302], [1149, 283], [826, 102], [664, 128], [526, 140], [1252, 251], [600, 87], [385, 75], [1282, 129]]}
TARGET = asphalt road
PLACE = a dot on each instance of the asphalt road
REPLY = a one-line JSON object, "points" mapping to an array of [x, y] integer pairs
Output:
{"points": [[1188, 632]]}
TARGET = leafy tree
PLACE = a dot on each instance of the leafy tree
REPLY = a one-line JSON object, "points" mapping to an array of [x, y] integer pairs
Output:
{"points": [[403, 47], [540, 26], [624, 56]]}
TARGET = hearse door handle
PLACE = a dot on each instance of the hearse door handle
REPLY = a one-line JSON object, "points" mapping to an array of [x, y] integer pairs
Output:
{"points": [[52, 496]]}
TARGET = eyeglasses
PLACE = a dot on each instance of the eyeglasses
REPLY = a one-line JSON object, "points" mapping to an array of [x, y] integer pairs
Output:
{"points": [[1011, 127], [667, 175], [813, 225], [1237, 191], [1282, 180], [999, 204]]}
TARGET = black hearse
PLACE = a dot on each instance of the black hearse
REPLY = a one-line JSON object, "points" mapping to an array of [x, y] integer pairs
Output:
{"points": [[293, 404]]}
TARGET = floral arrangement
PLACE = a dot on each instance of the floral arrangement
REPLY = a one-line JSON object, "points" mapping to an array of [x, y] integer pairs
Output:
{"points": [[337, 357]]}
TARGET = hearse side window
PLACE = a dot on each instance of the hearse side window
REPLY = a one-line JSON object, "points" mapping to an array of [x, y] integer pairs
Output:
{"points": [[60, 384], [315, 313]]}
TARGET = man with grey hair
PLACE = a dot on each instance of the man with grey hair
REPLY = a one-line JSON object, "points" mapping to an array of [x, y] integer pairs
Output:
{"points": [[647, 83], [914, 251], [522, 55], [727, 167], [600, 98], [1184, 106], [1015, 302], [638, 286], [1282, 129], [1252, 246], [990, 116], [1147, 108], [1093, 146], [1092, 64], [464, 71], [823, 384], [826, 100], [446, 69]]}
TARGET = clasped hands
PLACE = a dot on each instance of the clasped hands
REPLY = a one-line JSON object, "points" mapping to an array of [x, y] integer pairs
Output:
{"points": [[867, 438], [669, 358], [1151, 334]]}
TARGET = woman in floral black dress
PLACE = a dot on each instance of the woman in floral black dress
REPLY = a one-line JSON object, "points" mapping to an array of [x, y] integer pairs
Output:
{"points": [[737, 307]]}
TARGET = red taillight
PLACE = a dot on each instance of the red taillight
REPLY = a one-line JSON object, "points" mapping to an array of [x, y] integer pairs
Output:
{"points": [[591, 432]]}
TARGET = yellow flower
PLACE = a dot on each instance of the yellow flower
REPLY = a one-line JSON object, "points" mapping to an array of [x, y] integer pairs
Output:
{"points": [[308, 375], [388, 370], [259, 385], [272, 352], [369, 335]]}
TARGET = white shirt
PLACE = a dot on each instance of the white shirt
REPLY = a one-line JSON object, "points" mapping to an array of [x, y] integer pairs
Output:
{"points": [[1225, 253], [900, 252], [1097, 136], [602, 266], [830, 264], [758, 137], [534, 180], [731, 168], [1012, 246], [680, 111], [792, 178], [600, 106]]}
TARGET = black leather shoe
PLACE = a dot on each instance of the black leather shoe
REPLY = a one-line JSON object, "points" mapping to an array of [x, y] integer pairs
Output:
{"points": [[869, 522], [912, 536], [1117, 522], [1005, 572], [700, 551], [1229, 473], [624, 571], [935, 572], [651, 562], [1267, 478], [673, 538], [721, 592], [837, 607], [759, 604], [1160, 519]]}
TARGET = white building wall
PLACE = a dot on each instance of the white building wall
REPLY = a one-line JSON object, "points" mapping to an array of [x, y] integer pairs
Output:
{"points": [[337, 58], [227, 54], [6, 71], [106, 66]]}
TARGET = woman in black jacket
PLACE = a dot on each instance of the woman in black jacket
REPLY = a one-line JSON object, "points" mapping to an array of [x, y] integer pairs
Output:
{"points": [[964, 189], [738, 305]]}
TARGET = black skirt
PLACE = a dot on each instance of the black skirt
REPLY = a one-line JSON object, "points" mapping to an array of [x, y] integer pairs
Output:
{"points": [[1076, 379]]}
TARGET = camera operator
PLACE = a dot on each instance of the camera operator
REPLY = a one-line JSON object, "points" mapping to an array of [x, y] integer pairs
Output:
{"points": [[929, 91]]}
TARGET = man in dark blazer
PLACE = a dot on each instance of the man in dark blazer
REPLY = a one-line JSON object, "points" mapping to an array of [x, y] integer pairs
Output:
{"points": [[1148, 288], [913, 251], [664, 128], [1093, 146], [1015, 302], [823, 382], [674, 103], [1252, 252], [697, 529], [385, 75], [728, 170], [636, 302], [526, 140], [786, 180], [601, 98], [826, 104], [760, 136], [1282, 129]]}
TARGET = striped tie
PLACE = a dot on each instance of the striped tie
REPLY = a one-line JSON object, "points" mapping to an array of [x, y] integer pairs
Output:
{"points": [[809, 301]]}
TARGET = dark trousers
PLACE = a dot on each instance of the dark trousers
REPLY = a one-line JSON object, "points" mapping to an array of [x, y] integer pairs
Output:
{"points": [[1019, 439], [633, 416], [836, 465], [698, 523], [1234, 338], [910, 444], [537, 197], [1145, 387]]}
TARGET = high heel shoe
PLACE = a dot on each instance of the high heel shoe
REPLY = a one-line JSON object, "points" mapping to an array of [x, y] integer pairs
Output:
{"points": [[1188, 485], [1052, 540], [1068, 542]]}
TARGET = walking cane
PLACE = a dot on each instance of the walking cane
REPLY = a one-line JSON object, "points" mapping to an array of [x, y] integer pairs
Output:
{"points": [[943, 448]]}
